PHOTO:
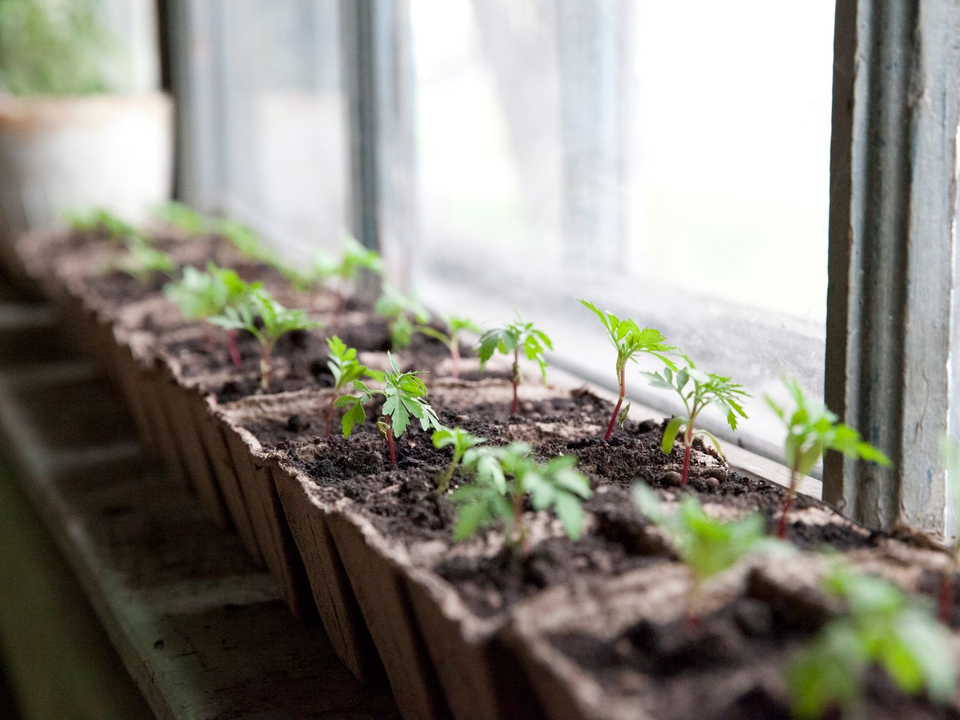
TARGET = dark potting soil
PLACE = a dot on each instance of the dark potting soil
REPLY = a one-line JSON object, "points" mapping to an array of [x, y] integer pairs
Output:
{"points": [[403, 503], [681, 669]]}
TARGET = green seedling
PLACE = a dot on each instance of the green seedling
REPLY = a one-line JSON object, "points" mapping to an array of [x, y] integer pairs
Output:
{"points": [[706, 546], [204, 295], [144, 263], [812, 430], [398, 310], [101, 220], [323, 267], [510, 339], [346, 369], [696, 390], [455, 324], [275, 322], [628, 340], [405, 396], [183, 217], [462, 441], [505, 477], [880, 627], [246, 240]]}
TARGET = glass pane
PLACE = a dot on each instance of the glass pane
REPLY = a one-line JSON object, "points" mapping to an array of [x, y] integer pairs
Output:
{"points": [[668, 160], [283, 143]]}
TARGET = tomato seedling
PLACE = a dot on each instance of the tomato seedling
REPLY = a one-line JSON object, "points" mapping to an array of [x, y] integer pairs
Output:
{"points": [[505, 478], [450, 336], [405, 396], [510, 339], [462, 441], [143, 262], [812, 430], [628, 340], [275, 322], [697, 390], [706, 546], [398, 309], [880, 628], [204, 295], [345, 369]]}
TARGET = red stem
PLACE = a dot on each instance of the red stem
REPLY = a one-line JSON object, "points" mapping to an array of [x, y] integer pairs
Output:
{"points": [[455, 357], [234, 350], [687, 447], [393, 452], [516, 379], [946, 595], [787, 504], [333, 399], [616, 410]]}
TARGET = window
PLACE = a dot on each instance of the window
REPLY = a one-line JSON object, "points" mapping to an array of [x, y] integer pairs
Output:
{"points": [[274, 114], [630, 153]]}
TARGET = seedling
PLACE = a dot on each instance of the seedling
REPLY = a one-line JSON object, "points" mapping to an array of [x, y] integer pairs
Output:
{"points": [[405, 397], [275, 322], [628, 340], [697, 390], [184, 217], [462, 441], [204, 295], [511, 338], [450, 337], [881, 627], [556, 484], [323, 266], [346, 369], [812, 430], [246, 241], [706, 546], [397, 309], [144, 262], [103, 221]]}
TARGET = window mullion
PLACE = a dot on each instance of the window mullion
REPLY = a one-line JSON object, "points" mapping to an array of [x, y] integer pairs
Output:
{"points": [[891, 267]]}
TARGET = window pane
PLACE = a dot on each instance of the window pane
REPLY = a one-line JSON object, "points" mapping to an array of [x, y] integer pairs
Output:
{"points": [[283, 143], [668, 160]]}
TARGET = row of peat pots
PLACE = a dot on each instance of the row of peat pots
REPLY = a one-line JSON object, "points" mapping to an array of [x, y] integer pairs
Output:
{"points": [[597, 628]]}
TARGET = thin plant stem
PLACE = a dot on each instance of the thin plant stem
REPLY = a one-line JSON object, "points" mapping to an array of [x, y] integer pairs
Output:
{"points": [[687, 447], [234, 348], [455, 356], [333, 399], [266, 366], [393, 451], [616, 410], [788, 503], [516, 380]]}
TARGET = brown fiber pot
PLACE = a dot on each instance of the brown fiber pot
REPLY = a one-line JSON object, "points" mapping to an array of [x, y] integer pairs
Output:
{"points": [[266, 514], [479, 673], [199, 465], [374, 567], [212, 435], [307, 516]]}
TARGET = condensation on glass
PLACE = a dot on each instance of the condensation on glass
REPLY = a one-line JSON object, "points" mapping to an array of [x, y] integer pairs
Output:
{"points": [[668, 160]]}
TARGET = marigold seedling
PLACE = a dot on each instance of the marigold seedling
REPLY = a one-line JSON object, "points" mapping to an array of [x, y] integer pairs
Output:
{"points": [[101, 220], [143, 262], [183, 217], [462, 441], [697, 390], [707, 547], [812, 430], [275, 322], [881, 627], [405, 396], [398, 309], [505, 477], [322, 267], [204, 295], [247, 241], [454, 325], [628, 340], [511, 339], [345, 369]]}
